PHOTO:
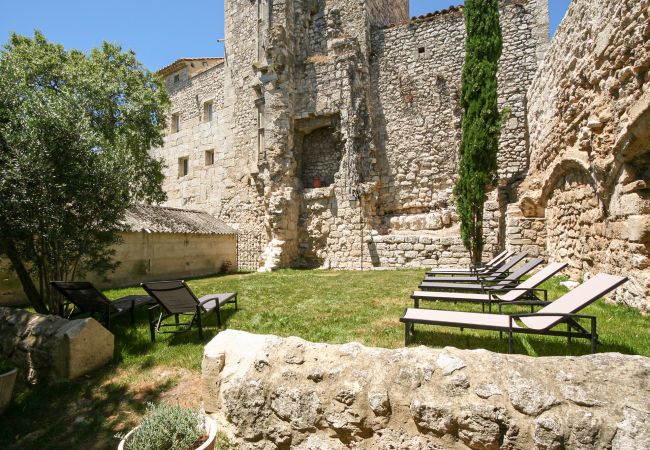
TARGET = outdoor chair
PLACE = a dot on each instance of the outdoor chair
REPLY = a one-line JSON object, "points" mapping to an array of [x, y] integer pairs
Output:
{"points": [[483, 284], [488, 267], [175, 299], [87, 299], [543, 322], [494, 275], [525, 293]]}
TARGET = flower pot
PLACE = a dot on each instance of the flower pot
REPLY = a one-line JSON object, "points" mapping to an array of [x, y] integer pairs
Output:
{"points": [[316, 182], [7, 383], [210, 428]]}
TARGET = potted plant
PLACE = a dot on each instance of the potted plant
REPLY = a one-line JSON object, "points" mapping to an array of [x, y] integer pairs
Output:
{"points": [[173, 428], [7, 382]]}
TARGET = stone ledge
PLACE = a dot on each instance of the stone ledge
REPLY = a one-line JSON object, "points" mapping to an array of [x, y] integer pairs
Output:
{"points": [[271, 392]]}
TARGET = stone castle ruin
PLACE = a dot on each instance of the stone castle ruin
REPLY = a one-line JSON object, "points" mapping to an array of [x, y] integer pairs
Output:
{"points": [[329, 133], [328, 136]]}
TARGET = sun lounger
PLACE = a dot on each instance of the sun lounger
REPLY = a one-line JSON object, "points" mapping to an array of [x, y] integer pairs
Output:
{"points": [[525, 293], [483, 285], [89, 300], [175, 299], [496, 274], [488, 267], [561, 311]]}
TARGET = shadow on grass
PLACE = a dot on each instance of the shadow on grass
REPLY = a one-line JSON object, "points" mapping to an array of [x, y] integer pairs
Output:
{"points": [[533, 345], [136, 340], [82, 414]]}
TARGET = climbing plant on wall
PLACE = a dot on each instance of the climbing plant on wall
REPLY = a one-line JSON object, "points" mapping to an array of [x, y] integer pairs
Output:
{"points": [[481, 124]]}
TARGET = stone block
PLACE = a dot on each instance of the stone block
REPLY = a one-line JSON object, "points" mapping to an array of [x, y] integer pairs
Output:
{"points": [[50, 348], [639, 228]]}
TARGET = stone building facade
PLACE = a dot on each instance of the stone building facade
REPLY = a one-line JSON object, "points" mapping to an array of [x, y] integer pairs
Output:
{"points": [[334, 131], [586, 200]]}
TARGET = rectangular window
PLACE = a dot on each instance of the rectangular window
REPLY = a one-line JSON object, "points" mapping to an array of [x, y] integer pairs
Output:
{"points": [[207, 111], [209, 157], [176, 123], [177, 78], [183, 166]]}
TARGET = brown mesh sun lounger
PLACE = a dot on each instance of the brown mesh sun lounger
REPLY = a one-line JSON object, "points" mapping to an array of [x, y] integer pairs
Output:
{"points": [[495, 275], [483, 285], [88, 300], [489, 266], [175, 299], [524, 294], [561, 311]]}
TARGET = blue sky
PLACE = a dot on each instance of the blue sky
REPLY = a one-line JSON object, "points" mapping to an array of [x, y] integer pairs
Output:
{"points": [[158, 31]]}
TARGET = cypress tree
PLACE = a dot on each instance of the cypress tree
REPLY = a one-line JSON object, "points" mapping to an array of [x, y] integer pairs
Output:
{"points": [[481, 123]]}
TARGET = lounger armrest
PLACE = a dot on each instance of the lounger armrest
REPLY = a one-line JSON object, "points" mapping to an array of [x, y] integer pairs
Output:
{"points": [[498, 281], [210, 299], [558, 314], [494, 292], [523, 303]]}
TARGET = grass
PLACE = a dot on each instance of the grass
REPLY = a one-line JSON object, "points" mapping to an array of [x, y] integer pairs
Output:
{"points": [[322, 306]]}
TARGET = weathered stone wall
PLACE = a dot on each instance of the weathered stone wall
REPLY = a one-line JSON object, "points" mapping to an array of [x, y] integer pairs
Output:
{"points": [[157, 256], [322, 90], [321, 157], [49, 348], [204, 183], [416, 93], [589, 116], [271, 392], [386, 12]]}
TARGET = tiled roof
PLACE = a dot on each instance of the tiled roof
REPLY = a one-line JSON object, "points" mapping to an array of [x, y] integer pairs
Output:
{"points": [[160, 219], [180, 62], [441, 12]]}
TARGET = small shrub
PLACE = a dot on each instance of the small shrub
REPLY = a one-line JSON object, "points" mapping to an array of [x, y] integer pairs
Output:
{"points": [[167, 427]]}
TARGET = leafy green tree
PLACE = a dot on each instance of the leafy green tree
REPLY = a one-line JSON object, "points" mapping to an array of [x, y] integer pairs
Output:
{"points": [[75, 130], [481, 124]]}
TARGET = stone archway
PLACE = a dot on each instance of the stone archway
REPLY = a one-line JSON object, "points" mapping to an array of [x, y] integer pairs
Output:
{"points": [[574, 217]]}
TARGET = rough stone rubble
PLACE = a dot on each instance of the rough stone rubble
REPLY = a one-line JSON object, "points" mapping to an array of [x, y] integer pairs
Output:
{"points": [[270, 393]]}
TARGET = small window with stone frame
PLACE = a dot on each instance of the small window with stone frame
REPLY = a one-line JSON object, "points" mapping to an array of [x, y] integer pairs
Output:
{"points": [[176, 123], [177, 78], [209, 157], [183, 166], [208, 108]]}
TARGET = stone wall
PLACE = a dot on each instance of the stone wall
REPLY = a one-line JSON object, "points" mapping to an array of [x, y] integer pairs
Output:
{"points": [[322, 90], [148, 257], [157, 256], [49, 348], [589, 120], [386, 12], [416, 99], [270, 392], [321, 157]]}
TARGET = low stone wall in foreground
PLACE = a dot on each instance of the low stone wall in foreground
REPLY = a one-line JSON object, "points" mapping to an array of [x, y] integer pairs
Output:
{"points": [[278, 393], [49, 348]]}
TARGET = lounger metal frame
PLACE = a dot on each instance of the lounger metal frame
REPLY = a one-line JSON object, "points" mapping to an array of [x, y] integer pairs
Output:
{"points": [[196, 310]]}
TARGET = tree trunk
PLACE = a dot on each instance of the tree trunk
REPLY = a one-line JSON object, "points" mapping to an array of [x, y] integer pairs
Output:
{"points": [[26, 281]]}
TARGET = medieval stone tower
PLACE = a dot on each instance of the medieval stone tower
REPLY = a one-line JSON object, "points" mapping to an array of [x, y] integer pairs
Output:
{"points": [[328, 135]]}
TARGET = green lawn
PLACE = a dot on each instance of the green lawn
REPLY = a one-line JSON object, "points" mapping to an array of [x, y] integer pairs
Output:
{"points": [[324, 306]]}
